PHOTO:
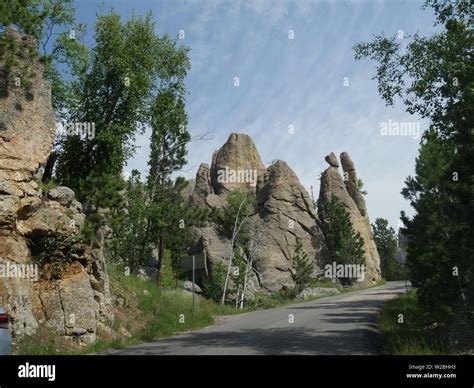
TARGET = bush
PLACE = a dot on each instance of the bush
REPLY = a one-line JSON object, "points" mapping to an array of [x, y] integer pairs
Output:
{"points": [[52, 253], [214, 287]]}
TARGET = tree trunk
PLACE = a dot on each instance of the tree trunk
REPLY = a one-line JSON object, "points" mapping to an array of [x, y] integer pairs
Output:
{"points": [[161, 252], [49, 167]]}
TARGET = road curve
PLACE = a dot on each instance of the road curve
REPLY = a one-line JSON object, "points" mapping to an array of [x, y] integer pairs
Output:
{"points": [[337, 325]]}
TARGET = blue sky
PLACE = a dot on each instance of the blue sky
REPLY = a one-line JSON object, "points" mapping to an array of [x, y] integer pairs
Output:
{"points": [[283, 82]]}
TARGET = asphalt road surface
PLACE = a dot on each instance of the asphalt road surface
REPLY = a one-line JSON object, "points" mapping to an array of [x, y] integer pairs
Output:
{"points": [[341, 324]]}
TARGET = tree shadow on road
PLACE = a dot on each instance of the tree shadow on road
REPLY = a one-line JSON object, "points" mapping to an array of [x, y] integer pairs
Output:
{"points": [[292, 340]]}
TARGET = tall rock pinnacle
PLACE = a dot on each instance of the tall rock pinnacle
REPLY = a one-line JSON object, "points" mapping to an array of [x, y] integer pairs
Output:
{"points": [[347, 192]]}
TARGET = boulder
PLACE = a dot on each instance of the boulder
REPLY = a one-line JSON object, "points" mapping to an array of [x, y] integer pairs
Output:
{"points": [[188, 286], [27, 119], [63, 195], [332, 160], [317, 292], [202, 185]]}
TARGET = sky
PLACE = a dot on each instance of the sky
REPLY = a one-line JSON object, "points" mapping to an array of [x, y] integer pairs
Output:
{"points": [[301, 93]]}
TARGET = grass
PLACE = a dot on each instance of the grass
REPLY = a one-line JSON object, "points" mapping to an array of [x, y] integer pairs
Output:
{"points": [[325, 283], [169, 311], [163, 311], [150, 313], [416, 335], [44, 342], [45, 187], [163, 307]]}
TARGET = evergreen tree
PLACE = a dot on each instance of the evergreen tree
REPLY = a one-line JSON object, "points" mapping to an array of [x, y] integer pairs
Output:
{"points": [[386, 241], [344, 243], [128, 241], [434, 76], [303, 268], [168, 143]]}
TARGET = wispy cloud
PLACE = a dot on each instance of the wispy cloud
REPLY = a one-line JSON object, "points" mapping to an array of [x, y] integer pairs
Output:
{"points": [[295, 82]]}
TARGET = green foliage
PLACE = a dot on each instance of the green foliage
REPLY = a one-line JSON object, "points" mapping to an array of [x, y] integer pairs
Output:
{"points": [[140, 227], [170, 222], [162, 309], [233, 223], [438, 235], [46, 341], [434, 76], [53, 253], [416, 335], [128, 241], [215, 285], [344, 243], [168, 278], [303, 268], [263, 300], [63, 54], [239, 206], [324, 283], [128, 65], [133, 78], [360, 187], [45, 187], [170, 216], [386, 242]]}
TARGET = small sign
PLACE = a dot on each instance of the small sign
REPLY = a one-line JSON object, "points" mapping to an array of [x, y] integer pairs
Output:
{"points": [[200, 262]]}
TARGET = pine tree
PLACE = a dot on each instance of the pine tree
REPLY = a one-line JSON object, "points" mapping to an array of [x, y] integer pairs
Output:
{"points": [[386, 240], [434, 76], [303, 268], [344, 243]]}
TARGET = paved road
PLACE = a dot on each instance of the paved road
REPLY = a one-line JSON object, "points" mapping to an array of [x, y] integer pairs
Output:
{"points": [[341, 324]]}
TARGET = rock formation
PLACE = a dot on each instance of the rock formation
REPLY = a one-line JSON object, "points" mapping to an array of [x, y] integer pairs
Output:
{"points": [[77, 302], [347, 192], [284, 212]]}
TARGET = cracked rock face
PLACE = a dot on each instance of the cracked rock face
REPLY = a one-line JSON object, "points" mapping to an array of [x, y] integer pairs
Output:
{"points": [[77, 303], [284, 213]]}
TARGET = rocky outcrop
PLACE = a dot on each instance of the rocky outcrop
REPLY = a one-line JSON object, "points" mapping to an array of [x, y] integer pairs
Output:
{"points": [[72, 296], [348, 193], [351, 182], [236, 165], [283, 213]]}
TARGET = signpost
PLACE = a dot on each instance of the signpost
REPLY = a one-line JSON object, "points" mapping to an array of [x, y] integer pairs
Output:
{"points": [[194, 270], [192, 264]]}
